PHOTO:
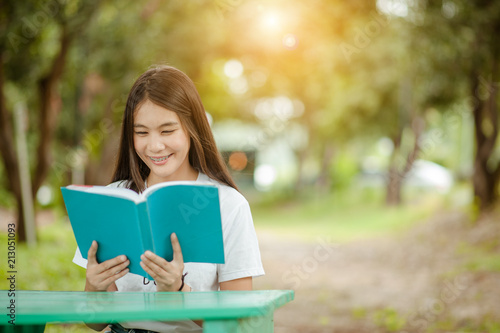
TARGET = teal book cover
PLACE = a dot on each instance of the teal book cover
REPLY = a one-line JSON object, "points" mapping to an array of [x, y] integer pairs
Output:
{"points": [[124, 222]]}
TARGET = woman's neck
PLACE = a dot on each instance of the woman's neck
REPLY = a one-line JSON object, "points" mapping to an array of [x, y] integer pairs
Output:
{"points": [[190, 174]]}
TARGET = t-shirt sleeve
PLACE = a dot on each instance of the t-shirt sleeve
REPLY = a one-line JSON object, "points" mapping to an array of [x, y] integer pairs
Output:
{"points": [[241, 247], [78, 259]]}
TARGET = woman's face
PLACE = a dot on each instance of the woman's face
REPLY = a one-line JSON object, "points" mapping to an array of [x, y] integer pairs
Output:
{"points": [[162, 143]]}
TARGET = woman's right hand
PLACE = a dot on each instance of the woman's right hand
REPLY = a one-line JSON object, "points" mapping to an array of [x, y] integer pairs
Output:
{"points": [[101, 275]]}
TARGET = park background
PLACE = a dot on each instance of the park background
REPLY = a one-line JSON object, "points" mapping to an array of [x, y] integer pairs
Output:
{"points": [[363, 133]]}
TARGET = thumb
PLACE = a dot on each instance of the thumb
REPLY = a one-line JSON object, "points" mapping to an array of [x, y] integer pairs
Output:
{"points": [[176, 246], [91, 255]]}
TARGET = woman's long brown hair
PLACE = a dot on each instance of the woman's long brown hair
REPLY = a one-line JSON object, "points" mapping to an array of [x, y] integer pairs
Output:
{"points": [[173, 90]]}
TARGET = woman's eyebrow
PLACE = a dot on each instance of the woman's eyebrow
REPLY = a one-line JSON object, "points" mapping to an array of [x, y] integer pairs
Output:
{"points": [[170, 123]]}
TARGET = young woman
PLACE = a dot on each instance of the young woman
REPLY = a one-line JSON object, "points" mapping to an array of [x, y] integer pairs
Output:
{"points": [[166, 137]]}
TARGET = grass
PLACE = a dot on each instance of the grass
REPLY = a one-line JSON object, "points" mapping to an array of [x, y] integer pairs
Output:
{"points": [[479, 258], [341, 217], [389, 319], [48, 266], [487, 324]]}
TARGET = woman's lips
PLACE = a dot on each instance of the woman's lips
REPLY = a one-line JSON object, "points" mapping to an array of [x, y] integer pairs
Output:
{"points": [[159, 160]]}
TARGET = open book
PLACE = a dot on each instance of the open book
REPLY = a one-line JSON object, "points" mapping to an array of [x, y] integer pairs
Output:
{"points": [[124, 222]]}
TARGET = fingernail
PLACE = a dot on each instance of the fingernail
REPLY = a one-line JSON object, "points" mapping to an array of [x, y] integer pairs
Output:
{"points": [[149, 254], [123, 258]]}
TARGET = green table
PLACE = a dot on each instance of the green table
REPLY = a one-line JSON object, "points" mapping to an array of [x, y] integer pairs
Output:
{"points": [[223, 311]]}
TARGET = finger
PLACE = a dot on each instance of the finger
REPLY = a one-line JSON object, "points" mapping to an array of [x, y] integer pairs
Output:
{"points": [[111, 263], [152, 268], [116, 269], [148, 270], [116, 276], [154, 262], [148, 255], [91, 255], [176, 246]]}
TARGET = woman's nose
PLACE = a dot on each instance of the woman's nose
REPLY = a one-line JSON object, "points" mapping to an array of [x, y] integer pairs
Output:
{"points": [[156, 145]]}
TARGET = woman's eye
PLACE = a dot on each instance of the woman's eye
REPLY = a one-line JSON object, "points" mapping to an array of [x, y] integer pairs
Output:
{"points": [[167, 132], [141, 133]]}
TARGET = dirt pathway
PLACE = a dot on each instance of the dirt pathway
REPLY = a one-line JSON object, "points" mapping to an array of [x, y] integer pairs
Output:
{"points": [[369, 286]]}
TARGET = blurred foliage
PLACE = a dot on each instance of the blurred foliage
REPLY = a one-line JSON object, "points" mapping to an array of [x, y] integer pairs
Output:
{"points": [[361, 73], [356, 73]]}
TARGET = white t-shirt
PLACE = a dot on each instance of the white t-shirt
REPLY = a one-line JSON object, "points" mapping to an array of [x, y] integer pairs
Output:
{"points": [[241, 252]]}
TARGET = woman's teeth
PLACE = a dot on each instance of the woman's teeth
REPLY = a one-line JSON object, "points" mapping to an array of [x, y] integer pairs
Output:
{"points": [[159, 159]]}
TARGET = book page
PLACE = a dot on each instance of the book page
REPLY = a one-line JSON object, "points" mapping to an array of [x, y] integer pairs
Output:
{"points": [[155, 187], [118, 192], [192, 211]]}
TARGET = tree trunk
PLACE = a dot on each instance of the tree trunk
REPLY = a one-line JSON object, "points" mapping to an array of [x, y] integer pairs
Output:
{"points": [[324, 179], [393, 191], [301, 157], [398, 171], [48, 113], [49, 108], [486, 177], [9, 156], [394, 184]]}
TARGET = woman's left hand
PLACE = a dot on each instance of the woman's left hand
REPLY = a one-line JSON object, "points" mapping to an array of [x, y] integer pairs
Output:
{"points": [[167, 274]]}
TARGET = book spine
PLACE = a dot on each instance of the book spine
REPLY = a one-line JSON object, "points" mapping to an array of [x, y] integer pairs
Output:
{"points": [[145, 226]]}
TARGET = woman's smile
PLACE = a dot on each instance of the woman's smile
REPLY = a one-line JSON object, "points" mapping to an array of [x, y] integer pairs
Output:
{"points": [[160, 160]]}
